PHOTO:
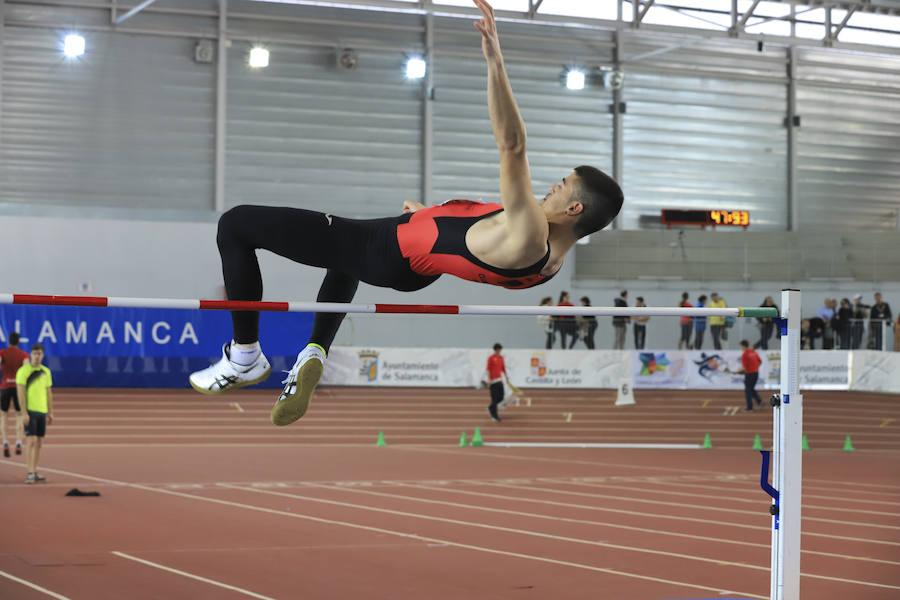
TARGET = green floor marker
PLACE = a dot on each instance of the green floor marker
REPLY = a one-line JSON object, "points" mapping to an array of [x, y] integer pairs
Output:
{"points": [[476, 438]]}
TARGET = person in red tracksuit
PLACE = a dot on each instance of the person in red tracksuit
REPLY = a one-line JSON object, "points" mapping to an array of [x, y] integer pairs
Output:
{"points": [[496, 371], [750, 362]]}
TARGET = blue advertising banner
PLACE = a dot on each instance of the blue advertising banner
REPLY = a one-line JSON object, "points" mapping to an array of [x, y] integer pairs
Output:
{"points": [[136, 347]]}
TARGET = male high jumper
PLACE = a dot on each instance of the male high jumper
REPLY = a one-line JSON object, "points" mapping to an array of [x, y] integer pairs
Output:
{"points": [[517, 244]]}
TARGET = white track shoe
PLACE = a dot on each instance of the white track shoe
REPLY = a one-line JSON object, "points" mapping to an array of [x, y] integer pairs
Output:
{"points": [[299, 386], [225, 375]]}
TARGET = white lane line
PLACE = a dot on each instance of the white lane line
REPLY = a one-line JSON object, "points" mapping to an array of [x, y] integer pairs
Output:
{"points": [[192, 576], [33, 586], [569, 461], [648, 446], [645, 514], [669, 503], [733, 492], [856, 485], [549, 536], [481, 548], [508, 511], [405, 535], [527, 532], [806, 505]]}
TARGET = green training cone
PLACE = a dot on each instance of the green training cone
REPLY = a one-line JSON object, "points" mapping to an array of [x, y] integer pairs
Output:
{"points": [[381, 441], [707, 442], [476, 438], [848, 445], [462, 440], [757, 443], [804, 445]]}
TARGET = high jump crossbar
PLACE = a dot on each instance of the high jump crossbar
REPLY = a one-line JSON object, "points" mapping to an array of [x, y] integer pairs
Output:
{"points": [[339, 307], [787, 418]]}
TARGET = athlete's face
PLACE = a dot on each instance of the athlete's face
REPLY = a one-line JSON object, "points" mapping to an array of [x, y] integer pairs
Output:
{"points": [[36, 357], [558, 202]]}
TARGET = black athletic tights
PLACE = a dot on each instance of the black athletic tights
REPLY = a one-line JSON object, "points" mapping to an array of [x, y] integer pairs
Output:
{"points": [[351, 250]]}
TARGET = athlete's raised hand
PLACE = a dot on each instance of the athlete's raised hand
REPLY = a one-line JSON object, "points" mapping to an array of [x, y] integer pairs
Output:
{"points": [[490, 44]]}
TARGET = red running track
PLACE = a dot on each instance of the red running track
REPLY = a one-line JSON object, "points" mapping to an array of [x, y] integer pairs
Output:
{"points": [[204, 498]]}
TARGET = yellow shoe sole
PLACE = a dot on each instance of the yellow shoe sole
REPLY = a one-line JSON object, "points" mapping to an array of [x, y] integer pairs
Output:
{"points": [[234, 387], [293, 407]]}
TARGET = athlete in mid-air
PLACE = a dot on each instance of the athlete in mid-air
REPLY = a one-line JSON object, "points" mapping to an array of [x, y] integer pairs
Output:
{"points": [[517, 244]]}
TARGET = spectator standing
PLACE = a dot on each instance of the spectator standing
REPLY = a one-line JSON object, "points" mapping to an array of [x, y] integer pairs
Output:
{"points": [[717, 324], [897, 335], [11, 359], [33, 383], [816, 331], [620, 323], [640, 326], [878, 315], [565, 325], [766, 325], [699, 324], [826, 314], [842, 322], [858, 326], [587, 325], [750, 362], [687, 323], [545, 322], [805, 334]]}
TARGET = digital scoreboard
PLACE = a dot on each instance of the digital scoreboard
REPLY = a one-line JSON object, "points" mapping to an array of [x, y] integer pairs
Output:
{"points": [[704, 218]]}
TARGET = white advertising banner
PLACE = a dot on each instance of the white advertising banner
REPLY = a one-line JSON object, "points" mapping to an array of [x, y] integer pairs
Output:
{"points": [[872, 371], [715, 369], [558, 368], [661, 369], [445, 367], [824, 370], [458, 367], [699, 369]]}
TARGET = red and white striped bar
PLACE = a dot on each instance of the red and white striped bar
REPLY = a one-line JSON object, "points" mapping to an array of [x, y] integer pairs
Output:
{"points": [[408, 309]]}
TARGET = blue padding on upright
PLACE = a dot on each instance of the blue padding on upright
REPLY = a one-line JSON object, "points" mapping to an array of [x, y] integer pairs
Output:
{"points": [[764, 476], [764, 483], [782, 324]]}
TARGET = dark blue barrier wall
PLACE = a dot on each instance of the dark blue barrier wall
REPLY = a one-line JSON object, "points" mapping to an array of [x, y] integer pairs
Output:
{"points": [[135, 347]]}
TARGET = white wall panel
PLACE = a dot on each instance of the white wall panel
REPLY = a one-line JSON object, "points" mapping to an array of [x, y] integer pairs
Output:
{"points": [[565, 128], [130, 123], [849, 141], [304, 133], [704, 129]]}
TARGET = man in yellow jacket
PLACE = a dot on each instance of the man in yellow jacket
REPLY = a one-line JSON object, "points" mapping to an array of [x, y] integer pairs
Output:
{"points": [[717, 324], [33, 383]]}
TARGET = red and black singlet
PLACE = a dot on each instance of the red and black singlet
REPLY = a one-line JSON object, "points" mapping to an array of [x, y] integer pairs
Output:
{"points": [[434, 241]]}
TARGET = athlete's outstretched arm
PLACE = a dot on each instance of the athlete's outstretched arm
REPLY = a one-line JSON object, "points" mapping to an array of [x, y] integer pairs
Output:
{"points": [[523, 212]]}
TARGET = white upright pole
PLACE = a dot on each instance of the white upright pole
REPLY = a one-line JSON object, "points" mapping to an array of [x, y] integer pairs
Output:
{"points": [[787, 429]]}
